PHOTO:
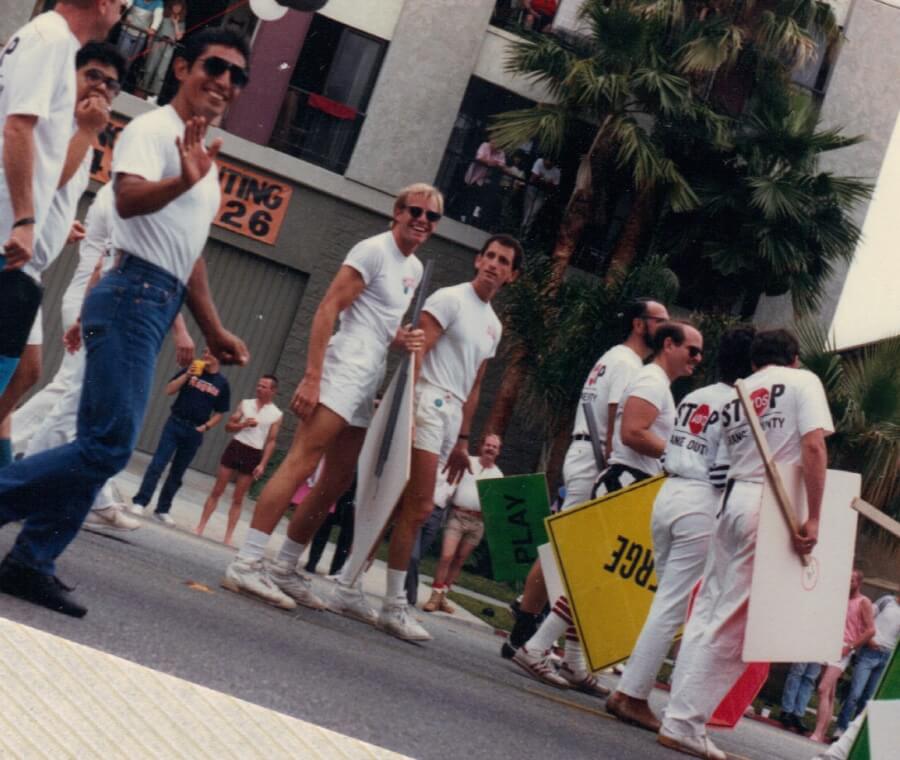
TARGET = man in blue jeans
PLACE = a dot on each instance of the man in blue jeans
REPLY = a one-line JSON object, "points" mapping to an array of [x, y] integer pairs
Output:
{"points": [[203, 397], [798, 689], [167, 195]]}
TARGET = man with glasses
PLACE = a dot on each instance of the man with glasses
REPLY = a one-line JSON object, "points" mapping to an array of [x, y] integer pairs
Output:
{"points": [[335, 397], [38, 93], [166, 195]]}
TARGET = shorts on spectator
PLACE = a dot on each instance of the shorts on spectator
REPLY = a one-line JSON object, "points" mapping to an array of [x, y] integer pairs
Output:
{"points": [[842, 663], [241, 457], [438, 415], [466, 524], [351, 376]]}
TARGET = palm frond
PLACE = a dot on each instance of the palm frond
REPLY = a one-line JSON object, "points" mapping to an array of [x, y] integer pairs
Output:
{"points": [[715, 48], [548, 124]]}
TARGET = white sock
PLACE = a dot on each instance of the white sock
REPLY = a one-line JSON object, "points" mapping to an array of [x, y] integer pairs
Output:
{"points": [[254, 547], [344, 577], [396, 584], [290, 552], [574, 656], [547, 635]]}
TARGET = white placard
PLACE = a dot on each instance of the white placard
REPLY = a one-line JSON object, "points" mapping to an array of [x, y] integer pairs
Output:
{"points": [[376, 497], [796, 613], [884, 728], [550, 570]]}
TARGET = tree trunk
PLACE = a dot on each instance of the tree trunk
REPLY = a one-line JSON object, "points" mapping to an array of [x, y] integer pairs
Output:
{"points": [[507, 394], [633, 233]]}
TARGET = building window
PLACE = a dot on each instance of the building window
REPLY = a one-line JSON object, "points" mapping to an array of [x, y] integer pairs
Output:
{"points": [[326, 101]]}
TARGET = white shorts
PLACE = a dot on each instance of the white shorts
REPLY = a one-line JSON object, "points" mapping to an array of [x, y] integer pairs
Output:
{"points": [[438, 415], [351, 376], [579, 473], [36, 336]]}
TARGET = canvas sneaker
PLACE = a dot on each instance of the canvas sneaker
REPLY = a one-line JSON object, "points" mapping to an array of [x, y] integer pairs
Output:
{"points": [[698, 746], [165, 518], [396, 620], [583, 681], [295, 584], [245, 576], [536, 665], [112, 517], [351, 602]]}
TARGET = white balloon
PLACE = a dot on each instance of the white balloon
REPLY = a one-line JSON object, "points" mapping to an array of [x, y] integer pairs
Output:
{"points": [[268, 10]]}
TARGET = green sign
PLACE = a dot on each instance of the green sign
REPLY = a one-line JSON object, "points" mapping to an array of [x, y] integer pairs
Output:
{"points": [[514, 509], [888, 688]]}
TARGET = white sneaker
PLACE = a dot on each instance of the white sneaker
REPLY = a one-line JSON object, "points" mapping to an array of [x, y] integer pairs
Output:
{"points": [[245, 576], [135, 509], [112, 517], [165, 518], [583, 681], [700, 746], [396, 620], [351, 602], [536, 665], [295, 584]]}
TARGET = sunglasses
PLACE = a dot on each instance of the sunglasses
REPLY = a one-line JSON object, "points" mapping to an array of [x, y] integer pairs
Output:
{"points": [[416, 211], [95, 76], [214, 67], [694, 352]]}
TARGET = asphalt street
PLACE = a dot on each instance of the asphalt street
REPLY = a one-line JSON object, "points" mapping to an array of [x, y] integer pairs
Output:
{"points": [[154, 599]]}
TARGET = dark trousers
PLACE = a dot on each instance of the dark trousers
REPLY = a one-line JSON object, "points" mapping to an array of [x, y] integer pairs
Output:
{"points": [[179, 442], [343, 518], [424, 540]]}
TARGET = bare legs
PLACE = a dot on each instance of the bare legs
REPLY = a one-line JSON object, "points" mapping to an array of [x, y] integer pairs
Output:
{"points": [[237, 502], [825, 711], [415, 505], [223, 477]]}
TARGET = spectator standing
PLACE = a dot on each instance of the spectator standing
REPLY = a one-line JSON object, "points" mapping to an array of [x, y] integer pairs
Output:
{"points": [[465, 524], [798, 689], [342, 516], [203, 397], [162, 48], [256, 422], [479, 180], [539, 14], [543, 182], [139, 24]]}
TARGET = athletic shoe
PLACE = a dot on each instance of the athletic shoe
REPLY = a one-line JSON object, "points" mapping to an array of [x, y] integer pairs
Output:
{"points": [[245, 576], [295, 584], [584, 682], [135, 509], [396, 620], [351, 602], [434, 601], [507, 651], [47, 591], [112, 517], [635, 712], [536, 666], [165, 518], [701, 746], [445, 605]]}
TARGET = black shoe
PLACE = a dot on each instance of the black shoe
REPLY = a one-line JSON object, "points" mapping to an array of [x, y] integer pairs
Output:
{"points": [[507, 652], [786, 719], [797, 724], [47, 591]]}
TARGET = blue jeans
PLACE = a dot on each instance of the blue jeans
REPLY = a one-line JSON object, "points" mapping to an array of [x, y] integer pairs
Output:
{"points": [[179, 442], [124, 320], [866, 672], [798, 687]]}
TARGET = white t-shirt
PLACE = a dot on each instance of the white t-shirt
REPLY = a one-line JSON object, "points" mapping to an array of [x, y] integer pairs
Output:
{"points": [[887, 622], [60, 216], [37, 78], [466, 494], [391, 280], [789, 403], [694, 442], [604, 385], [471, 335], [96, 244], [548, 175], [255, 437], [173, 237], [653, 385]]}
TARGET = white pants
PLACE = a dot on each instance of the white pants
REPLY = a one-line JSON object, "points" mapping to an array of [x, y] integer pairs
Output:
{"points": [[684, 517], [579, 473], [710, 661]]}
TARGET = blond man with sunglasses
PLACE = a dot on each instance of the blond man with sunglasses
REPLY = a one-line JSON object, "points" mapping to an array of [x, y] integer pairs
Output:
{"points": [[335, 397]]}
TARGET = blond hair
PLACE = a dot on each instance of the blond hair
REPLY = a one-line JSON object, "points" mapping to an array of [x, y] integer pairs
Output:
{"points": [[419, 188]]}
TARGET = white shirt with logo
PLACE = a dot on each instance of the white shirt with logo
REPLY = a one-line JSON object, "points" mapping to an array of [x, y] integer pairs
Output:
{"points": [[789, 403], [391, 280], [471, 335], [37, 78], [604, 385], [173, 237], [466, 494], [694, 442], [651, 384], [268, 415]]}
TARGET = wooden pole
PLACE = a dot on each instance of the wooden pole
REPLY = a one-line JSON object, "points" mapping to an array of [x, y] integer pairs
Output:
{"points": [[876, 516]]}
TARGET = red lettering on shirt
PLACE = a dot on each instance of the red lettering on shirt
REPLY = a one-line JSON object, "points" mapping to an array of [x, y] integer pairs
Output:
{"points": [[760, 399], [698, 419]]}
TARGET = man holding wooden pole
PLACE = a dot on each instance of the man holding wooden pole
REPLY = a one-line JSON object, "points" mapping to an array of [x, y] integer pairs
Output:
{"points": [[792, 411]]}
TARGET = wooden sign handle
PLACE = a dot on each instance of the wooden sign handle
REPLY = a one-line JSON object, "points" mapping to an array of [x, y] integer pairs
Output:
{"points": [[781, 496], [876, 516]]}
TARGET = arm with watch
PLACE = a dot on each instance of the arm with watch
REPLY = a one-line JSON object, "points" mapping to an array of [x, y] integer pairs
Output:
{"points": [[458, 461], [210, 423], [18, 165]]}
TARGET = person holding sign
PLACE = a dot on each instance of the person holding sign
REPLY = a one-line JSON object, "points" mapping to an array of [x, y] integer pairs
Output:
{"points": [[644, 421], [793, 413], [167, 194], [585, 457], [335, 399], [462, 333], [684, 516]]}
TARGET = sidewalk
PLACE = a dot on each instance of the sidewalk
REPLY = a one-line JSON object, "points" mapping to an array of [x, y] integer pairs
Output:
{"points": [[188, 506]]}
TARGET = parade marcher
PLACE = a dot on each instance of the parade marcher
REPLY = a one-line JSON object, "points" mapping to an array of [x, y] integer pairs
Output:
{"points": [[38, 94], [602, 391], [684, 518], [859, 628], [203, 396], [256, 423], [335, 398], [462, 333], [795, 418], [644, 421], [465, 524], [167, 193]]}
